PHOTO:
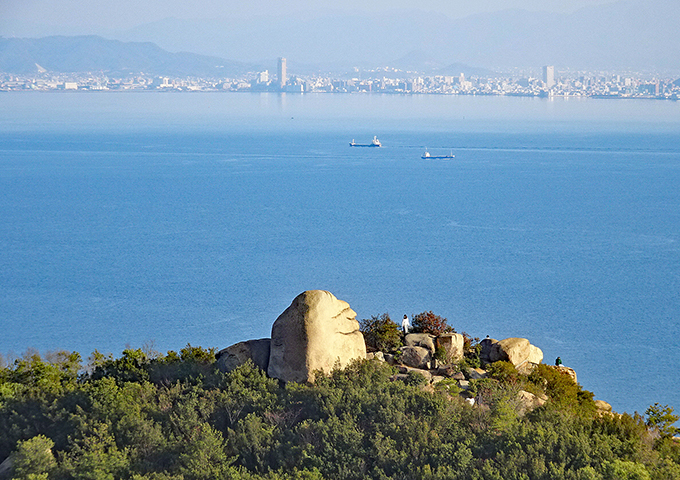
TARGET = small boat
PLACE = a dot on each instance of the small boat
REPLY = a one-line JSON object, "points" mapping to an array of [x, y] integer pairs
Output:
{"points": [[427, 156], [374, 143]]}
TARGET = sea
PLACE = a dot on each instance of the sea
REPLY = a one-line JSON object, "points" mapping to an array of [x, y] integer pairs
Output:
{"points": [[156, 220]]}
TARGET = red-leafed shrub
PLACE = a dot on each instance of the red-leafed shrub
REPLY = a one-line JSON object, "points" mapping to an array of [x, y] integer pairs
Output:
{"points": [[428, 322]]}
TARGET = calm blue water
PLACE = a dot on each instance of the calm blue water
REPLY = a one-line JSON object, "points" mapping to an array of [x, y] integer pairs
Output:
{"points": [[197, 218]]}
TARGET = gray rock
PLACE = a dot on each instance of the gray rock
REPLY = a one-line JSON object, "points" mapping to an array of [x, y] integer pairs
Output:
{"points": [[379, 356], [389, 358], [417, 357], [424, 340], [486, 347], [464, 384], [449, 371], [406, 370], [238, 354], [316, 332]]}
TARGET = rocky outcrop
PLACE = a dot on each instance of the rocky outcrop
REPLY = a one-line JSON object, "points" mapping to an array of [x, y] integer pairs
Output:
{"points": [[416, 357], [424, 340], [238, 354], [517, 351], [568, 371], [453, 344], [316, 332], [603, 407]]}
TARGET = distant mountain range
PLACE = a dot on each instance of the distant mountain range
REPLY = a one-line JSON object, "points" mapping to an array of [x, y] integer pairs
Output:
{"points": [[95, 54], [625, 34], [90, 53]]}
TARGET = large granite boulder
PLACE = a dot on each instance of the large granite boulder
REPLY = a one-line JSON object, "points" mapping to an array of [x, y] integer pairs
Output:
{"points": [[517, 351], [238, 354], [416, 357], [316, 332], [487, 345], [424, 340], [453, 344]]}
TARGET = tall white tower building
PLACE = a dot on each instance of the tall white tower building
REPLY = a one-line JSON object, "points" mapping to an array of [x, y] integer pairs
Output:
{"points": [[282, 72], [549, 76]]}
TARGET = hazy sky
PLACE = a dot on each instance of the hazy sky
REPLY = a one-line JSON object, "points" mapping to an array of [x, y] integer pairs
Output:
{"points": [[121, 14]]}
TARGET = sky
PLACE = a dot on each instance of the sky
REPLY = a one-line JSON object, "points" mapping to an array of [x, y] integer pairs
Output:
{"points": [[99, 16]]}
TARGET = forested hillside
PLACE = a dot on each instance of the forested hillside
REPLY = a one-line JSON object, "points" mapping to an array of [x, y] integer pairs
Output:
{"points": [[151, 416]]}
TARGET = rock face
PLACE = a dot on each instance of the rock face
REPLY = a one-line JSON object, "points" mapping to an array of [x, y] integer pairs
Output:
{"points": [[238, 354], [424, 340], [316, 332], [416, 357], [517, 351], [487, 346], [454, 344]]}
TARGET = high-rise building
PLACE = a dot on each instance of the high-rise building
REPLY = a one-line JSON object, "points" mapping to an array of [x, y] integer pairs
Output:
{"points": [[282, 72], [549, 76]]}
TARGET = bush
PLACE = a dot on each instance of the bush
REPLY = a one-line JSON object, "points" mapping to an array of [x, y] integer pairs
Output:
{"points": [[428, 322], [381, 333], [504, 372], [416, 379]]}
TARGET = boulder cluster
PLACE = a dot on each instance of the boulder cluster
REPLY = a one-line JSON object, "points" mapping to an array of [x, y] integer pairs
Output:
{"points": [[318, 332]]}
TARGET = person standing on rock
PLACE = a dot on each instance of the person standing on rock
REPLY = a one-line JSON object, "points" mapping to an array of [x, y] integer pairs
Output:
{"points": [[405, 324], [558, 362]]}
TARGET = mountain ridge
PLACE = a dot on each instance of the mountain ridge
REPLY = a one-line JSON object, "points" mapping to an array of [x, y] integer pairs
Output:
{"points": [[89, 53]]}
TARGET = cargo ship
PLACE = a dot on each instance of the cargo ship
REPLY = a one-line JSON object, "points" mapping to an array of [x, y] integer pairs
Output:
{"points": [[374, 143], [427, 156]]}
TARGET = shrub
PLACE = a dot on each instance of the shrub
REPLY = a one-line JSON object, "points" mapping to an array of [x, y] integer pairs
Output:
{"points": [[428, 322], [504, 372], [416, 379], [448, 385], [381, 333], [440, 354]]}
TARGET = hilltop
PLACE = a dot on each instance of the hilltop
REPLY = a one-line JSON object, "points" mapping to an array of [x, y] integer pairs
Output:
{"points": [[147, 415]]}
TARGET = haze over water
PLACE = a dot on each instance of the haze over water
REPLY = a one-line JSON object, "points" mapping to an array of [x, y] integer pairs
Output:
{"points": [[197, 218]]}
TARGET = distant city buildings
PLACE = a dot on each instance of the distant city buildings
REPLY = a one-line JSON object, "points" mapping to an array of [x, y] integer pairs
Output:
{"points": [[385, 80]]}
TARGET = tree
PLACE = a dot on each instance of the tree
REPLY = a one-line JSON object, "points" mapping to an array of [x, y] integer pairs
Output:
{"points": [[381, 333], [33, 457], [662, 419]]}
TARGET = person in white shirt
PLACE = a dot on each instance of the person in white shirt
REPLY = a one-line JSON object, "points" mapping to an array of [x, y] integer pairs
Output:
{"points": [[405, 324]]}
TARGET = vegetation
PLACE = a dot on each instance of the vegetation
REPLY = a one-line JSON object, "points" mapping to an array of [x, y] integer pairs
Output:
{"points": [[173, 417], [381, 333], [428, 322]]}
